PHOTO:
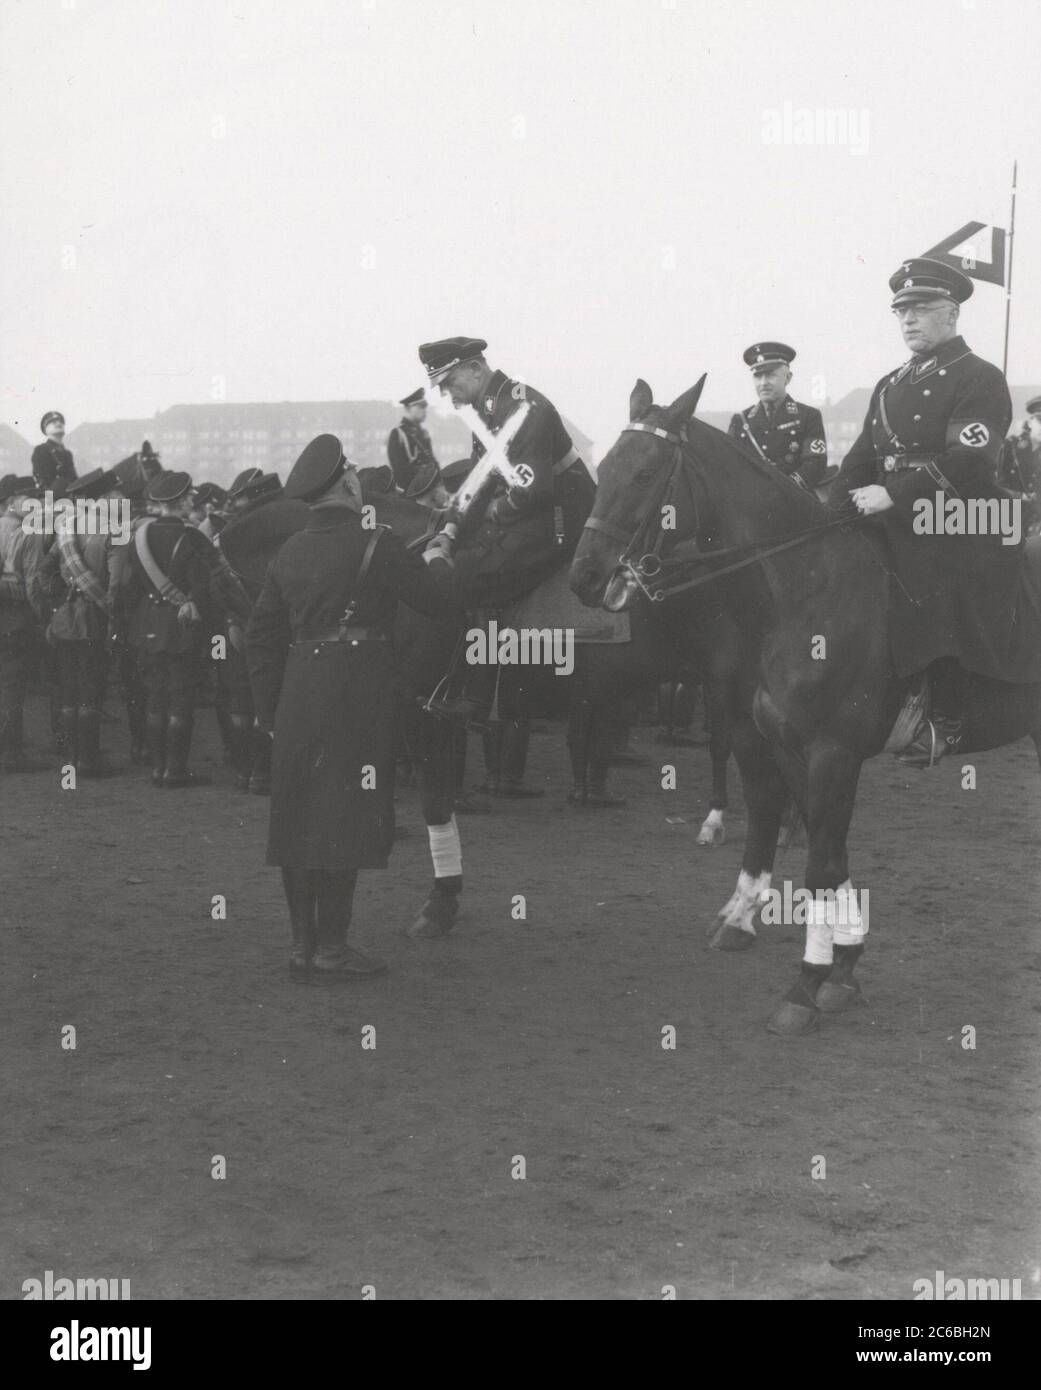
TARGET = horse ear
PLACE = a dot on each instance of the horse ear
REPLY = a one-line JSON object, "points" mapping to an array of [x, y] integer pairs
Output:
{"points": [[641, 398], [683, 407]]}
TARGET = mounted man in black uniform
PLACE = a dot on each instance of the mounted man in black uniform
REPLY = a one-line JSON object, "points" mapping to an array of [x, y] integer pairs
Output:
{"points": [[511, 535], [781, 430], [409, 447], [936, 426], [54, 468]]}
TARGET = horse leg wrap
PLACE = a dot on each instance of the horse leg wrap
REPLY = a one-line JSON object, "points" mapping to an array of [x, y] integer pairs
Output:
{"points": [[851, 917], [820, 937], [446, 851]]}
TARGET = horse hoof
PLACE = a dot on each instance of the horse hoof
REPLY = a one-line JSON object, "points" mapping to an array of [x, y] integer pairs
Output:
{"points": [[436, 918], [834, 998], [793, 1020], [711, 835], [729, 938]]}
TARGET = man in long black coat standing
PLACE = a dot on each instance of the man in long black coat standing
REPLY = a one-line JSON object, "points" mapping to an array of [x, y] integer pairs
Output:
{"points": [[319, 648]]}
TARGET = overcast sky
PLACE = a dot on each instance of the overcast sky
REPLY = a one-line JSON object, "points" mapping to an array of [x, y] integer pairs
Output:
{"points": [[281, 200]]}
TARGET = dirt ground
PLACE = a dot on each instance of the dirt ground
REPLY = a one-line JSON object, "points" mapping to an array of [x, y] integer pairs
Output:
{"points": [[539, 1038]]}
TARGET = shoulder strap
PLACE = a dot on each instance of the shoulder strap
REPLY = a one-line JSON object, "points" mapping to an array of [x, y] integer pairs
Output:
{"points": [[410, 452], [747, 430], [165, 585], [363, 569]]}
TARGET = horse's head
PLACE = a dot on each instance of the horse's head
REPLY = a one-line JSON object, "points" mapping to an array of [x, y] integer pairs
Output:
{"points": [[632, 486]]}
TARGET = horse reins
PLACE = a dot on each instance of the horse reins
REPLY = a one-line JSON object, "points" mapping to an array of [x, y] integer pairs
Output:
{"points": [[650, 565]]}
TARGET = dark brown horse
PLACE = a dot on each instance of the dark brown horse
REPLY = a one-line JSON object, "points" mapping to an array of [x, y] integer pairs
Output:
{"points": [[663, 643], [809, 591]]}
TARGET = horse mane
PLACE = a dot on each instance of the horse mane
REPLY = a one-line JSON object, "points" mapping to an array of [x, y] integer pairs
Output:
{"points": [[772, 477]]}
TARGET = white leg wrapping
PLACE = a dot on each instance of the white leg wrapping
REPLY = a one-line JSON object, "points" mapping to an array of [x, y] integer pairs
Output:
{"points": [[851, 917], [820, 933], [745, 900], [445, 849]]}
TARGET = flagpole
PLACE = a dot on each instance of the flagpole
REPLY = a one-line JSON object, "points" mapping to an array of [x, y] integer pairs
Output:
{"points": [[1011, 251]]}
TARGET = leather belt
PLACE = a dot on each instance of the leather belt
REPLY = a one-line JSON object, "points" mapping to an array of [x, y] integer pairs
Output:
{"points": [[900, 463], [345, 637], [562, 465]]}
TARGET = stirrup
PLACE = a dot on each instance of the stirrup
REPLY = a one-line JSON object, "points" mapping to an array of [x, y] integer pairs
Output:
{"points": [[932, 744]]}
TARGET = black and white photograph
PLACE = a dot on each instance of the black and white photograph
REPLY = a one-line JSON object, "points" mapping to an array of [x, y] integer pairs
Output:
{"points": [[520, 666]]}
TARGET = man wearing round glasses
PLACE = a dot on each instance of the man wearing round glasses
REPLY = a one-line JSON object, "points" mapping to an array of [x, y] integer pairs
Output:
{"points": [[933, 435]]}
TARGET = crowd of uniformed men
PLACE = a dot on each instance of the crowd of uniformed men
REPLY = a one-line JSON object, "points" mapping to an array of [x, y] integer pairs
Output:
{"points": [[279, 601]]}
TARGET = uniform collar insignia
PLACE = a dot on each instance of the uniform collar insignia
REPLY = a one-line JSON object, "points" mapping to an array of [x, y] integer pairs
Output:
{"points": [[947, 353], [793, 409]]}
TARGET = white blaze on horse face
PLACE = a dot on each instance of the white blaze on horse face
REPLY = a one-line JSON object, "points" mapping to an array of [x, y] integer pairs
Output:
{"points": [[745, 901]]}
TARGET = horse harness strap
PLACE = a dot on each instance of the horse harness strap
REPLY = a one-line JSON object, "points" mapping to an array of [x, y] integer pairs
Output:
{"points": [[640, 571]]}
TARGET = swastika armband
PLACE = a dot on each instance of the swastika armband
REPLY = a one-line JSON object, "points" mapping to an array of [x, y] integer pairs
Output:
{"points": [[982, 436]]}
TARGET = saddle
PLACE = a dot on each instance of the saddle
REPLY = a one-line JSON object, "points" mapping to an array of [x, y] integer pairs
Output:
{"points": [[552, 604]]}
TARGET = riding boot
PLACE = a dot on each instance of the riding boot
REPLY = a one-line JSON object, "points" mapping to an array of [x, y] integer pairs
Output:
{"points": [[179, 744], [260, 774], [941, 735], [601, 754], [514, 758], [66, 739], [240, 735], [155, 733], [90, 761], [301, 900], [492, 738], [334, 961], [225, 724], [579, 742], [138, 731]]}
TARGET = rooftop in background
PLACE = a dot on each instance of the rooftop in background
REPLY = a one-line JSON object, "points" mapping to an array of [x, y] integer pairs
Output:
{"points": [[214, 441]]}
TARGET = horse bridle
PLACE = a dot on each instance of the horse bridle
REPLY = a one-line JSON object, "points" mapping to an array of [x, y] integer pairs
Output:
{"points": [[650, 566]]}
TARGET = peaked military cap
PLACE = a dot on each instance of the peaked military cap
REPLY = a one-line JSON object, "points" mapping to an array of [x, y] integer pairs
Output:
{"points": [[761, 355], [243, 480], [317, 468], [425, 479], [7, 486], [376, 482], [1034, 405], [95, 483], [210, 494], [169, 487], [922, 278], [439, 358], [416, 398], [24, 487], [453, 474], [266, 485], [51, 418]]}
